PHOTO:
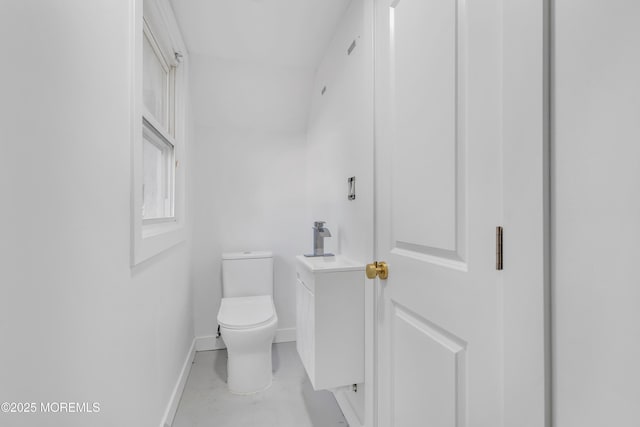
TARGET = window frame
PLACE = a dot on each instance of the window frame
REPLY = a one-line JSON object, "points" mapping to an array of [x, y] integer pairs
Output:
{"points": [[154, 19]]}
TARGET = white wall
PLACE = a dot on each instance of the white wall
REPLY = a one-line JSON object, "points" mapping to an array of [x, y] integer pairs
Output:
{"points": [[340, 138], [77, 324], [249, 176]]}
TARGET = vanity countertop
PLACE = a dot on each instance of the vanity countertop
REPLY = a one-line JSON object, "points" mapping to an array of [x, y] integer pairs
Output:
{"points": [[329, 264]]}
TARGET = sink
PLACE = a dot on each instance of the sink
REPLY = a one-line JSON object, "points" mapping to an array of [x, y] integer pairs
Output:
{"points": [[329, 264]]}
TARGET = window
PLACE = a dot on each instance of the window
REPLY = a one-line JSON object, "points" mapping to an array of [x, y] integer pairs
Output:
{"points": [[157, 76], [158, 178], [157, 121], [158, 94]]}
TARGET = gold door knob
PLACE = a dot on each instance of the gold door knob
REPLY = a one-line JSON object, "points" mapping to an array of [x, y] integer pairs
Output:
{"points": [[379, 269]]}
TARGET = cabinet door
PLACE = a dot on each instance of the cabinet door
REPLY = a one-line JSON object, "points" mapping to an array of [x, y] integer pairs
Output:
{"points": [[300, 322], [305, 327], [310, 333]]}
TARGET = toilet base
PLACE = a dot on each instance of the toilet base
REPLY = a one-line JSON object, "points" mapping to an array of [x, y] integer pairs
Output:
{"points": [[249, 373], [249, 365]]}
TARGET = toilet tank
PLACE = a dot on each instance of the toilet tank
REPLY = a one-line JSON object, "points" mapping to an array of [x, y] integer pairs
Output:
{"points": [[247, 274]]}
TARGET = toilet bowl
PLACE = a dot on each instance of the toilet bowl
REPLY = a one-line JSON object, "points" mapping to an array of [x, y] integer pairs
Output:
{"points": [[248, 320], [248, 326]]}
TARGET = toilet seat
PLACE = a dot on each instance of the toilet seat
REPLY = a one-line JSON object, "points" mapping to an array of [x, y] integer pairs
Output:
{"points": [[246, 312]]}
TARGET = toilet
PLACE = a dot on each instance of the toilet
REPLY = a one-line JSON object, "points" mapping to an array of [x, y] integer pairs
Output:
{"points": [[248, 319]]}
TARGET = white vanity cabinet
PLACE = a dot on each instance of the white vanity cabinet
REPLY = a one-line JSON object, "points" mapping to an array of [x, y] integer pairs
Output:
{"points": [[330, 320]]}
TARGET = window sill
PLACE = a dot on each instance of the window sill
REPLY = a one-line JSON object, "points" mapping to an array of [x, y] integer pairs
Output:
{"points": [[157, 228], [154, 239]]}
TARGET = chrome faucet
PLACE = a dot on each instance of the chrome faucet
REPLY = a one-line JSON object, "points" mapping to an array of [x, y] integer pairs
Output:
{"points": [[319, 233]]}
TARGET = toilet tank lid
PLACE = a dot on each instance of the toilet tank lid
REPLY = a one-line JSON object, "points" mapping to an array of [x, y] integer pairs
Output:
{"points": [[247, 255]]}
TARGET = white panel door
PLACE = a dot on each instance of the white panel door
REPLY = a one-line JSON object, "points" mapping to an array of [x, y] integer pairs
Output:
{"points": [[439, 100], [596, 213]]}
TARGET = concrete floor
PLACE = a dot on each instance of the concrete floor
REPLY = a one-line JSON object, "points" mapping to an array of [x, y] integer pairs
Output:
{"points": [[289, 402]]}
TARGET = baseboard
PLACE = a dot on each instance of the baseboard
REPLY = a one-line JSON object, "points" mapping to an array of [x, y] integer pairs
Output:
{"points": [[285, 335], [210, 342], [172, 407], [348, 411]]}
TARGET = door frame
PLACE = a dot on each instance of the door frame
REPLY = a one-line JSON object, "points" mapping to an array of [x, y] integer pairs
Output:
{"points": [[526, 173]]}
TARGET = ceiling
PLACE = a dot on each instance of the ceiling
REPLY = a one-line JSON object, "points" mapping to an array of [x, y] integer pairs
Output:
{"points": [[273, 32]]}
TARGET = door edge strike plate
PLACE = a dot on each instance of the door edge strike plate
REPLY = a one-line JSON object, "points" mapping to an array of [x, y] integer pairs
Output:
{"points": [[499, 249]]}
